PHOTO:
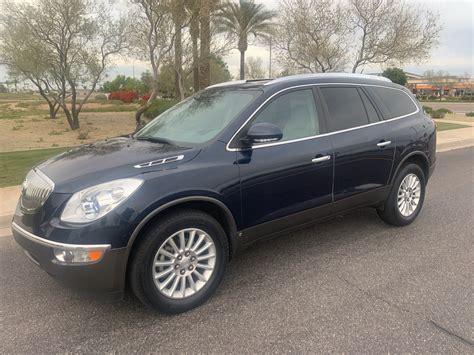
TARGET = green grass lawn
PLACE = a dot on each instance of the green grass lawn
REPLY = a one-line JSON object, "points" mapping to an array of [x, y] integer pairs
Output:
{"points": [[445, 126], [15, 165]]}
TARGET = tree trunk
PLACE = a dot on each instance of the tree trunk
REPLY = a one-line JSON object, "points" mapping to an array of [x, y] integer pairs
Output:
{"points": [[178, 57], [194, 32], [205, 65], [242, 65], [242, 46], [53, 109]]}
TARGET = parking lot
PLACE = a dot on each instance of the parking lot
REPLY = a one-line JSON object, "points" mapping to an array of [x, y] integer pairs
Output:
{"points": [[351, 284]]}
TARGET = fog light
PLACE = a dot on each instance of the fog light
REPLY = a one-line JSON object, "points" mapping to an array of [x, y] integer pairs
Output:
{"points": [[78, 256]]}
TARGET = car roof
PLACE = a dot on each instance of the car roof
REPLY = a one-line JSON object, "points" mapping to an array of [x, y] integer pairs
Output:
{"points": [[302, 79]]}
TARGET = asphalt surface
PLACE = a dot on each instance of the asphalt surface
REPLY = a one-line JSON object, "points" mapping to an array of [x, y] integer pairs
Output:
{"points": [[352, 284]]}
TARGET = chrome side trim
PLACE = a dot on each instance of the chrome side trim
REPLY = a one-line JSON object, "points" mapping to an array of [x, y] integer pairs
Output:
{"points": [[50, 243], [319, 135], [159, 162]]}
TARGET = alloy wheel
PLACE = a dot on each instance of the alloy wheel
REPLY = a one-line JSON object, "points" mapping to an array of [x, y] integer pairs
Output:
{"points": [[409, 194], [184, 263]]}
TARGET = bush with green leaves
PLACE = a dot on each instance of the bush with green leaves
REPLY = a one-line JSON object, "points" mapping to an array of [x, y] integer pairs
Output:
{"points": [[158, 107], [437, 114], [444, 110], [100, 97], [428, 109], [470, 114]]}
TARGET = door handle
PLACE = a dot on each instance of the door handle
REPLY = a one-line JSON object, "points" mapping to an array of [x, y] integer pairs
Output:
{"points": [[384, 143], [321, 159]]}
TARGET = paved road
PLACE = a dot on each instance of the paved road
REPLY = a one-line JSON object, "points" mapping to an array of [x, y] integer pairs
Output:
{"points": [[352, 284], [461, 107]]}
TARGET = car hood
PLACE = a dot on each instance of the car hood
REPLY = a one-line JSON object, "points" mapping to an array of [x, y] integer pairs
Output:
{"points": [[107, 160]]}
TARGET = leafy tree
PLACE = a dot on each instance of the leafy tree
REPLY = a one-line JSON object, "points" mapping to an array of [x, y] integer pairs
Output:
{"points": [[72, 41], [241, 19], [125, 83], [397, 75]]}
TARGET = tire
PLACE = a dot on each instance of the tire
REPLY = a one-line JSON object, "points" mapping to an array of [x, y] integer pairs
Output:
{"points": [[155, 246], [391, 213]]}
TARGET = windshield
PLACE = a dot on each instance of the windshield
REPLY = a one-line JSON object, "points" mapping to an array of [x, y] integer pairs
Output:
{"points": [[199, 118]]}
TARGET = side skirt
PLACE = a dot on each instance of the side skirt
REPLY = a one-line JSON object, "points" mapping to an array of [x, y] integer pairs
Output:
{"points": [[305, 218]]}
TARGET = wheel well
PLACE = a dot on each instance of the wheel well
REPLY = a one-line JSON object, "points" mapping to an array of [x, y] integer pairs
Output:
{"points": [[421, 161], [208, 207]]}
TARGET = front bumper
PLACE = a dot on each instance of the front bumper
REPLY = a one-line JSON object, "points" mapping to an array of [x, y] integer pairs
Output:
{"points": [[104, 276]]}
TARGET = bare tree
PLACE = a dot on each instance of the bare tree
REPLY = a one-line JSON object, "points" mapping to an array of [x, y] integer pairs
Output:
{"points": [[78, 38], [154, 37], [312, 35], [391, 31], [254, 68]]}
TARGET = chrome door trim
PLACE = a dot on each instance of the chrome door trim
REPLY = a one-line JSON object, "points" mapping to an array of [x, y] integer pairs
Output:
{"points": [[321, 159], [383, 144], [228, 148]]}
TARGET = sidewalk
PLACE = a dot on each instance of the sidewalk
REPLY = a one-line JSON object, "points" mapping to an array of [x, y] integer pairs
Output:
{"points": [[447, 140]]}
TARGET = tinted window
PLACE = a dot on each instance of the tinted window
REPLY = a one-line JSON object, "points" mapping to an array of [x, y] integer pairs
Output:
{"points": [[396, 102], [371, 113], [295, 114], [346, 109]]}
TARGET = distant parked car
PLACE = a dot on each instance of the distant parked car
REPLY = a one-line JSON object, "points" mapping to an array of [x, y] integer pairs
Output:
{"points": [[167, 207]]}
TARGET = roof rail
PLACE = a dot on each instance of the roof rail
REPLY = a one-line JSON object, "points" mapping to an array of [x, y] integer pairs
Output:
{"points": [[227, 83], [328, 75]]}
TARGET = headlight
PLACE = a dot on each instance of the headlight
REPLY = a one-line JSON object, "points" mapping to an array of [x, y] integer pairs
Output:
{"points": [[96, 201]]}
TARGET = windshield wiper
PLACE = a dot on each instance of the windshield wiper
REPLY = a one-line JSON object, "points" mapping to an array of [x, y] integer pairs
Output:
{"points": [[155, 140]]}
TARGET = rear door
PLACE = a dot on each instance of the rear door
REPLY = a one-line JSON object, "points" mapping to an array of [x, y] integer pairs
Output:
{"points": [[363, 147]]}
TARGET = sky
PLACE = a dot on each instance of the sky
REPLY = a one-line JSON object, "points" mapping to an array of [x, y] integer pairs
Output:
{"points": [[454, 53]]}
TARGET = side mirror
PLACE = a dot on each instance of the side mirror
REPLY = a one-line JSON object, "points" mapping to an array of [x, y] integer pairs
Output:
{"points": [[263, 133]]}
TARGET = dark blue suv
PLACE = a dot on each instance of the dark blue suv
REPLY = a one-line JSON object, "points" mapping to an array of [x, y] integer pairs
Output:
{"points": [[165, 209]]}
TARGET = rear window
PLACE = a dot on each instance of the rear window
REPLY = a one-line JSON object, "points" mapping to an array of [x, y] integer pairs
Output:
{"points": [[396, 102]]}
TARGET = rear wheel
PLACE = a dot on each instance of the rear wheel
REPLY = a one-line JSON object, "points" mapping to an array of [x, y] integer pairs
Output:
{"points": [[179, 262], [406, 198]]}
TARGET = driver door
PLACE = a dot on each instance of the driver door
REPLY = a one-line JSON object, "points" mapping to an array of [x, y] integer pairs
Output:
{"points": [[287, 182]]}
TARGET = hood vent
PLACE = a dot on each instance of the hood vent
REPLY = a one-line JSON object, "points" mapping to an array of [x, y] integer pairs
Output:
{"points": [[159, 162]]}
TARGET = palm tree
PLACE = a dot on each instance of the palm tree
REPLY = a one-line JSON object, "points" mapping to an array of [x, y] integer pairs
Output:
{"points": [[240, 19]]}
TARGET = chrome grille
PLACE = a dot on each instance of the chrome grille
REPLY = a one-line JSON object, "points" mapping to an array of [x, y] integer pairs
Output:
{"points": [[35, 190]]}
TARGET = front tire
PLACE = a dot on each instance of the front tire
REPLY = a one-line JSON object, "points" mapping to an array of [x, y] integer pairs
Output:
{"points": [[179, 262], [406, 197]]}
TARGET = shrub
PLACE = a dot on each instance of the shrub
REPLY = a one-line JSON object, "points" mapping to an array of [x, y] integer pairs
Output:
{"points": [[437, 114], [159, 106], [433, 97], [470, 114], [83, 135], [145, 97], [124, 96], [55, 133], [428, 109], [100, 97], [444, 110]]}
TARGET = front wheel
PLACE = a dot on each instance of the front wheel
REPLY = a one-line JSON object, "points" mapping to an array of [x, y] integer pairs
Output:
{"points": [[179, 262], [406, 198]]}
